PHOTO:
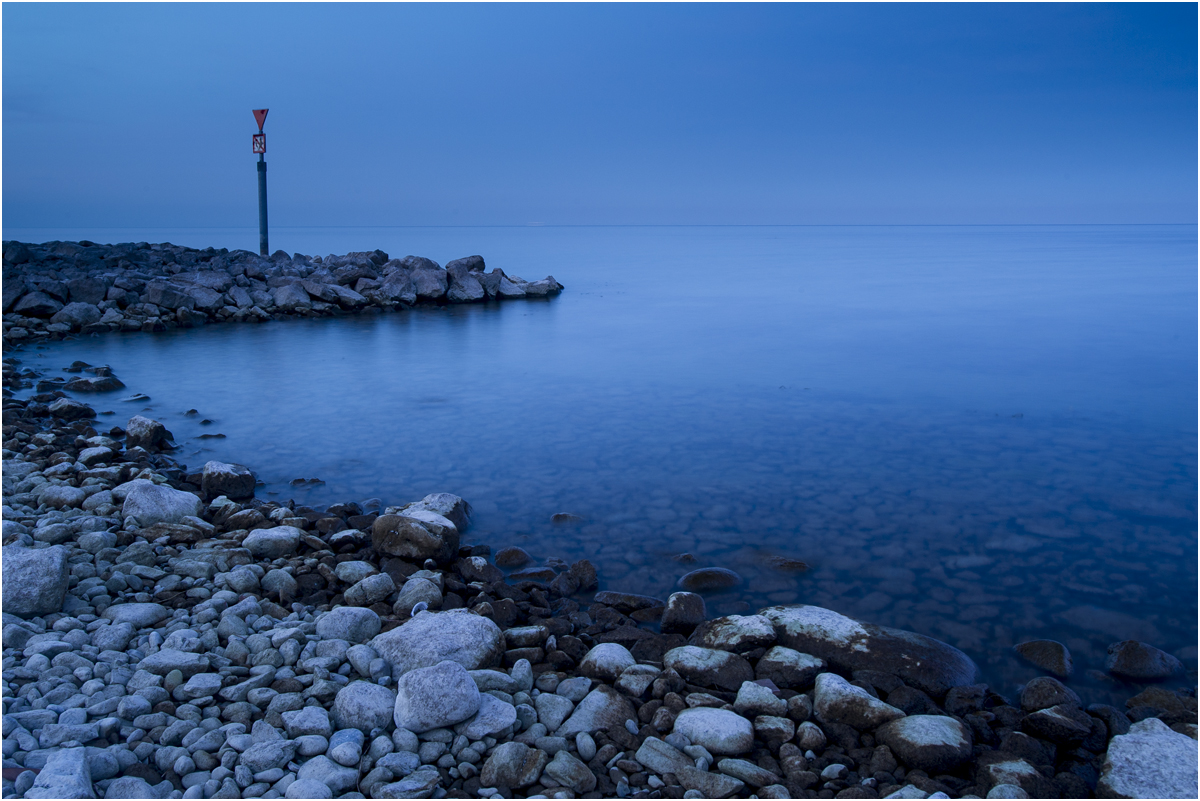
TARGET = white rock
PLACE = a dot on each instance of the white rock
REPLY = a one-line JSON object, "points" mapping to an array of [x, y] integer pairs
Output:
{"points": [[435, 697], [718, 730], [1150, 761]]}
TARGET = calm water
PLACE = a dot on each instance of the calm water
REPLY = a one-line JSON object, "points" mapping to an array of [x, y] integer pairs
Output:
{"points": [[983, 434]]}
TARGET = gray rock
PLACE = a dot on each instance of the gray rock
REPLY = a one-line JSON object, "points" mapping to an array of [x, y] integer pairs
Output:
{"points": [[291, 297], [281, 583], [709, 785], [370, 590], [138, 615], [363, 705], [734, 633], [1131, 659], [418, 590], [65, 775], [142, 432], [36, 304], [1006, 791], [234, 481], [552, 710], [349, 623], [570, 772], [153, 503], [932, 743], [602, 708], [420, 784], [513, 765], [435, 697], [308, 788], [1151, 761], [1049, 655], [35, 579], [263, 756], [168, 659], [838, 701], [273, 543], [77, 315], [432, 637], [493, 717], [848, 645], [994, 768], [418, 536], [708, 579], [1063, 724], [429, 284], [748, 772], [708, 667], [788, 669], [1045, 692], [635, 680], [451, 507], [322, 769], [684, 611], [70, 409], [662, 758], [718, 730], [755, 699], [130, 787], [606, 661], [307, 721]]}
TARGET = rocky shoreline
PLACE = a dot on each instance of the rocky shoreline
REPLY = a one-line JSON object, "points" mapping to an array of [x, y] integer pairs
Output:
{"points": [[168, 635], [56, 289]]}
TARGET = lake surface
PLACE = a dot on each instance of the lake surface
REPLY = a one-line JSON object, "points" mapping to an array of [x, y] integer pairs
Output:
{"points": [[985, 434]]}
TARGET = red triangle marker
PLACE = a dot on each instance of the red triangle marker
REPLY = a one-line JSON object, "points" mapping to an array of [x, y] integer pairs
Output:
{"points": [[260, 116]]}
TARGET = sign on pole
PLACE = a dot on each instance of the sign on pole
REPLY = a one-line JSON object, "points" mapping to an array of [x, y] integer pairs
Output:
{"points": [[260, 147]]}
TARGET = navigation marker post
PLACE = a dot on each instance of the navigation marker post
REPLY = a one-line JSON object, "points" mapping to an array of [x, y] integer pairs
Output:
{"points": [[260, 147]]}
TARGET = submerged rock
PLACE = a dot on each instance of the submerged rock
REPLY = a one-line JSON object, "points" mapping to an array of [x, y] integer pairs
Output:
{"points": [[848, 645], [1131, 659], [1049, 655]]}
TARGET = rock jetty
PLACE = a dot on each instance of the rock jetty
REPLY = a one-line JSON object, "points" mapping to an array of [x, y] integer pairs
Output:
{"points": [[168, 635], [59, 288]]}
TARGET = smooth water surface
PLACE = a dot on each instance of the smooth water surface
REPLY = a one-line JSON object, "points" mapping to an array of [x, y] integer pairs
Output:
{"points": [[983, 434]]}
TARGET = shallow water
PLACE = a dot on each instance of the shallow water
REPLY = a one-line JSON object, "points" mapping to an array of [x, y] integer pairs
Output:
{"points": [[983, 434]]}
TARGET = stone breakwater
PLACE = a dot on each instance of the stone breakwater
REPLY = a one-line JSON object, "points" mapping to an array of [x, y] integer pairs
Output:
{"points": [[167, 635], [59, 288]]}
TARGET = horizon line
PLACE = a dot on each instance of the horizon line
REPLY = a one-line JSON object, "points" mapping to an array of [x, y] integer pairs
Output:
{"points": [[616, 225]]}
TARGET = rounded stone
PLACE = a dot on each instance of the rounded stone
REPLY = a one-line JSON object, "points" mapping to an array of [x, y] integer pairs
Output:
{"points": [[363, 705], [606, 661], [709, 579], [718, 730], [350, 623], [932, 743]]}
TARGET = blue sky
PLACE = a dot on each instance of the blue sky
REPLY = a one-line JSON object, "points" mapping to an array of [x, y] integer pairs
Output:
{"points": [[138, 115]]}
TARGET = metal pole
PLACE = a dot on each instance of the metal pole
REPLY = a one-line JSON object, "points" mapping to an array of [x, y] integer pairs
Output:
{"points": [[262, 206]]}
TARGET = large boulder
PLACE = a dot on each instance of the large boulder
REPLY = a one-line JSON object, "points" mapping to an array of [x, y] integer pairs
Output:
{"points": [[734, 633], [418, 536], [363, 705], [429, 284], [449, 506], [719, 730], [431, 637], [154, 503], [1131, 659], [513, 765], [1151, 761], [35, 580], [142, 432], [66, 774], [37, 304], [231, 480], [77, 315], [708, 667], [435, 697], [70, 409], [273, 543], [848, 645], [932, 743], [602, 708], [351, 623], [291, 297], [838, 701]]}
